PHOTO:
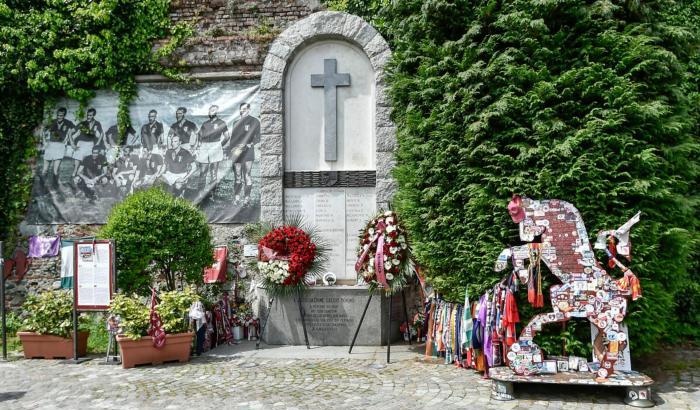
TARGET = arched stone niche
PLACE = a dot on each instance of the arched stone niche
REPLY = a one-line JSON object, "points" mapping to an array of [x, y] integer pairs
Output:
{"points": [[292, 119]]}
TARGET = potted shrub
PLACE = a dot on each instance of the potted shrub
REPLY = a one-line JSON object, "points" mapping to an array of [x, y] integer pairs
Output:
{"points": [[47, 330], [136, 347]]}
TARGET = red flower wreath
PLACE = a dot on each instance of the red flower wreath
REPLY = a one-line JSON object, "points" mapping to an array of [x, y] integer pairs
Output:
{"points": [[292, 244]]}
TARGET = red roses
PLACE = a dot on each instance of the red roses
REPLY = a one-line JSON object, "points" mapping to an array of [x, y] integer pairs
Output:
{"points": [[292, 244]]}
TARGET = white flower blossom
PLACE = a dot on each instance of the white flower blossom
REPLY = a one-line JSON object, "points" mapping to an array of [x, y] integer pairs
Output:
{"points": [[393, 249], [389, 276], [387, 213], [387, 265], [395, 261]]}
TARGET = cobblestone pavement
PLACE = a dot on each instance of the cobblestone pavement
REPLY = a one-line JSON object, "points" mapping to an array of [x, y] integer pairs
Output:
{"points": [[294, 377]]}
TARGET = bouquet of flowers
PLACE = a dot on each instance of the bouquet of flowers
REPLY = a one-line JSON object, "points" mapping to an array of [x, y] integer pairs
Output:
{"points": [[384, 256], [286, 255], [236, 320]]}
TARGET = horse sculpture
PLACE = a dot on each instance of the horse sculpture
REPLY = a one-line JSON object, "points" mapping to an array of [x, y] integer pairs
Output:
{"points": [[586, 289]]}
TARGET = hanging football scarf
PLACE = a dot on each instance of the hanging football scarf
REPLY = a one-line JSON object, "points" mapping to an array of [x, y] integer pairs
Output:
{"points": [[155, 329], [467, 323], [534, 284]]}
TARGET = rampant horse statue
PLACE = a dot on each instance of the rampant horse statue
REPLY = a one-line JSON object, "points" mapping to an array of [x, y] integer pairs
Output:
{"points": [[586, 289]]}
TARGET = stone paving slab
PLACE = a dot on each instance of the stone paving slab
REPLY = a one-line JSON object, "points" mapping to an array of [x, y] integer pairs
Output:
{"points": [[293, 377]]}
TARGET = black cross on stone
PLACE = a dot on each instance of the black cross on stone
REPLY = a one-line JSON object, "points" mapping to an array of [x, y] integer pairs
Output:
{"points": [[329, 80]]}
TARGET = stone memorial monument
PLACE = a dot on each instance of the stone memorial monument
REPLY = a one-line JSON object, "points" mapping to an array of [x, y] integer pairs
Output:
{"points": [[327, 154]]}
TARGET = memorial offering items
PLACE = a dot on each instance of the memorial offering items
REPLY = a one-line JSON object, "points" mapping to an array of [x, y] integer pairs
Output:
{"points": [[384, 256], [286, 255], [473, 335], [587, 290], [44, 246], [155, 330], [216, 273]]}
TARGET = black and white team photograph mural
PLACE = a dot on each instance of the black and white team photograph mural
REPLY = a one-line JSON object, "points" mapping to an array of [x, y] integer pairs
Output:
{"points": [[199, 141]]}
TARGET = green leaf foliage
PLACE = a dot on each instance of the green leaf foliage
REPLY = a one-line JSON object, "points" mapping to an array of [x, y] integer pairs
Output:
{"points": [[174, 307], [134, 315], [158, 236], [50, 313], [592, 102], [55, 48]]}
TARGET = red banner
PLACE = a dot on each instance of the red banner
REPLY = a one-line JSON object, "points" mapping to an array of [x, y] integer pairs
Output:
{"points": [[216, 273]]}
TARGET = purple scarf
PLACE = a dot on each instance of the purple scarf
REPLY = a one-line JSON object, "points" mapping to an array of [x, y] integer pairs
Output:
{"points": [[44, 246]]}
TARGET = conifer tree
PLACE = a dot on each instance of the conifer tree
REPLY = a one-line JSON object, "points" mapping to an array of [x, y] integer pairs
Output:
{"points": [[584, 101]]}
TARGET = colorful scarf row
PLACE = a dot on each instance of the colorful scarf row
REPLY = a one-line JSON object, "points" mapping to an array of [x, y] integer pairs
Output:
{"points": [[475, 335]]}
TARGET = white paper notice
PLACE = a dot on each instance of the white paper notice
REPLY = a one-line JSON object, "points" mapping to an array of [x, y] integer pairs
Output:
{"points": [[93, 278]]}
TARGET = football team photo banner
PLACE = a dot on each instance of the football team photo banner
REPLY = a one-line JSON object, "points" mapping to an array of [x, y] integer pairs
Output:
{"points": [[199, 141]]}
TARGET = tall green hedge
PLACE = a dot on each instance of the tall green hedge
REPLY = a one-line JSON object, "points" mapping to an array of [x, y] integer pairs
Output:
{"points": [[592, 102]]}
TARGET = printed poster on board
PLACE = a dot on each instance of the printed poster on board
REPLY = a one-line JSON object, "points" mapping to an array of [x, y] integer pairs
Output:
{"points": [[199, 141]]}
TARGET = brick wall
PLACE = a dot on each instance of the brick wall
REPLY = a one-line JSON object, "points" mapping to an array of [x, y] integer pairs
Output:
{"points": [[234, 35]]}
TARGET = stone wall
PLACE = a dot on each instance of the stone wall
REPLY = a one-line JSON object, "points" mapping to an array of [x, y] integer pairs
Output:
{"points": [[231, 36]]}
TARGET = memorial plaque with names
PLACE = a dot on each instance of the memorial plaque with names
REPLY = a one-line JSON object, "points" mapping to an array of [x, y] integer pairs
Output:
{"points": [[338, 214]]}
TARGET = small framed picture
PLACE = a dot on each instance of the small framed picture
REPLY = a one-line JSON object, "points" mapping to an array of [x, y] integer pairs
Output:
{"points": [[562, 365], [573, 363], [537, 358], [643, 395], [582, 366], [549, 366]]}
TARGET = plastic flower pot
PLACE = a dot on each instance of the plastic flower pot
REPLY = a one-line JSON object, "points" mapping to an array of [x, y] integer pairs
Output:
{"points": [[141, 351], [37, 346]]}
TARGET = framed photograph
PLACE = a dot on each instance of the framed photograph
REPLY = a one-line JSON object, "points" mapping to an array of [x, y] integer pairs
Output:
{"points": [[573, 362], [583, 366], [562, 365], [549, 366]]}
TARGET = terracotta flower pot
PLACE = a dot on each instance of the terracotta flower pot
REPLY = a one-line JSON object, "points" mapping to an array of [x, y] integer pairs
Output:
{"points": [[38, 346], [141, 351]]}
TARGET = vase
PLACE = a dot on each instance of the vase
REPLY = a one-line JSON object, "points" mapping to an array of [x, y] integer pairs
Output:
{"points": [[37, 346], [238, 333], [141, 351]]}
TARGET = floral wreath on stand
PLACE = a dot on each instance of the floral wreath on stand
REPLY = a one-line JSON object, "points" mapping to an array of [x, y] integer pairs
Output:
{"points": [[288, 256], [385, 260]]}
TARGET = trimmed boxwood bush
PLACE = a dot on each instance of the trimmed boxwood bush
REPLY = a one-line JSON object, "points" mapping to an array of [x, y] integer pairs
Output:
{"points": [[158, 237]]}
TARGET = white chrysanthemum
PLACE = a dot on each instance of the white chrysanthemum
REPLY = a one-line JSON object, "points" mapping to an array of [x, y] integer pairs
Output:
{"points": [[387, 213], [393, 249], [387, 265], [389, 276], [395, 261], [390, 228], [365, 246], [390, 220], [404, 246]]}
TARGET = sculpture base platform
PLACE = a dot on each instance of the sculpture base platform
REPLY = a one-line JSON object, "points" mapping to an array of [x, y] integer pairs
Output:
{"points": [[332, 315], [638, 392]]}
